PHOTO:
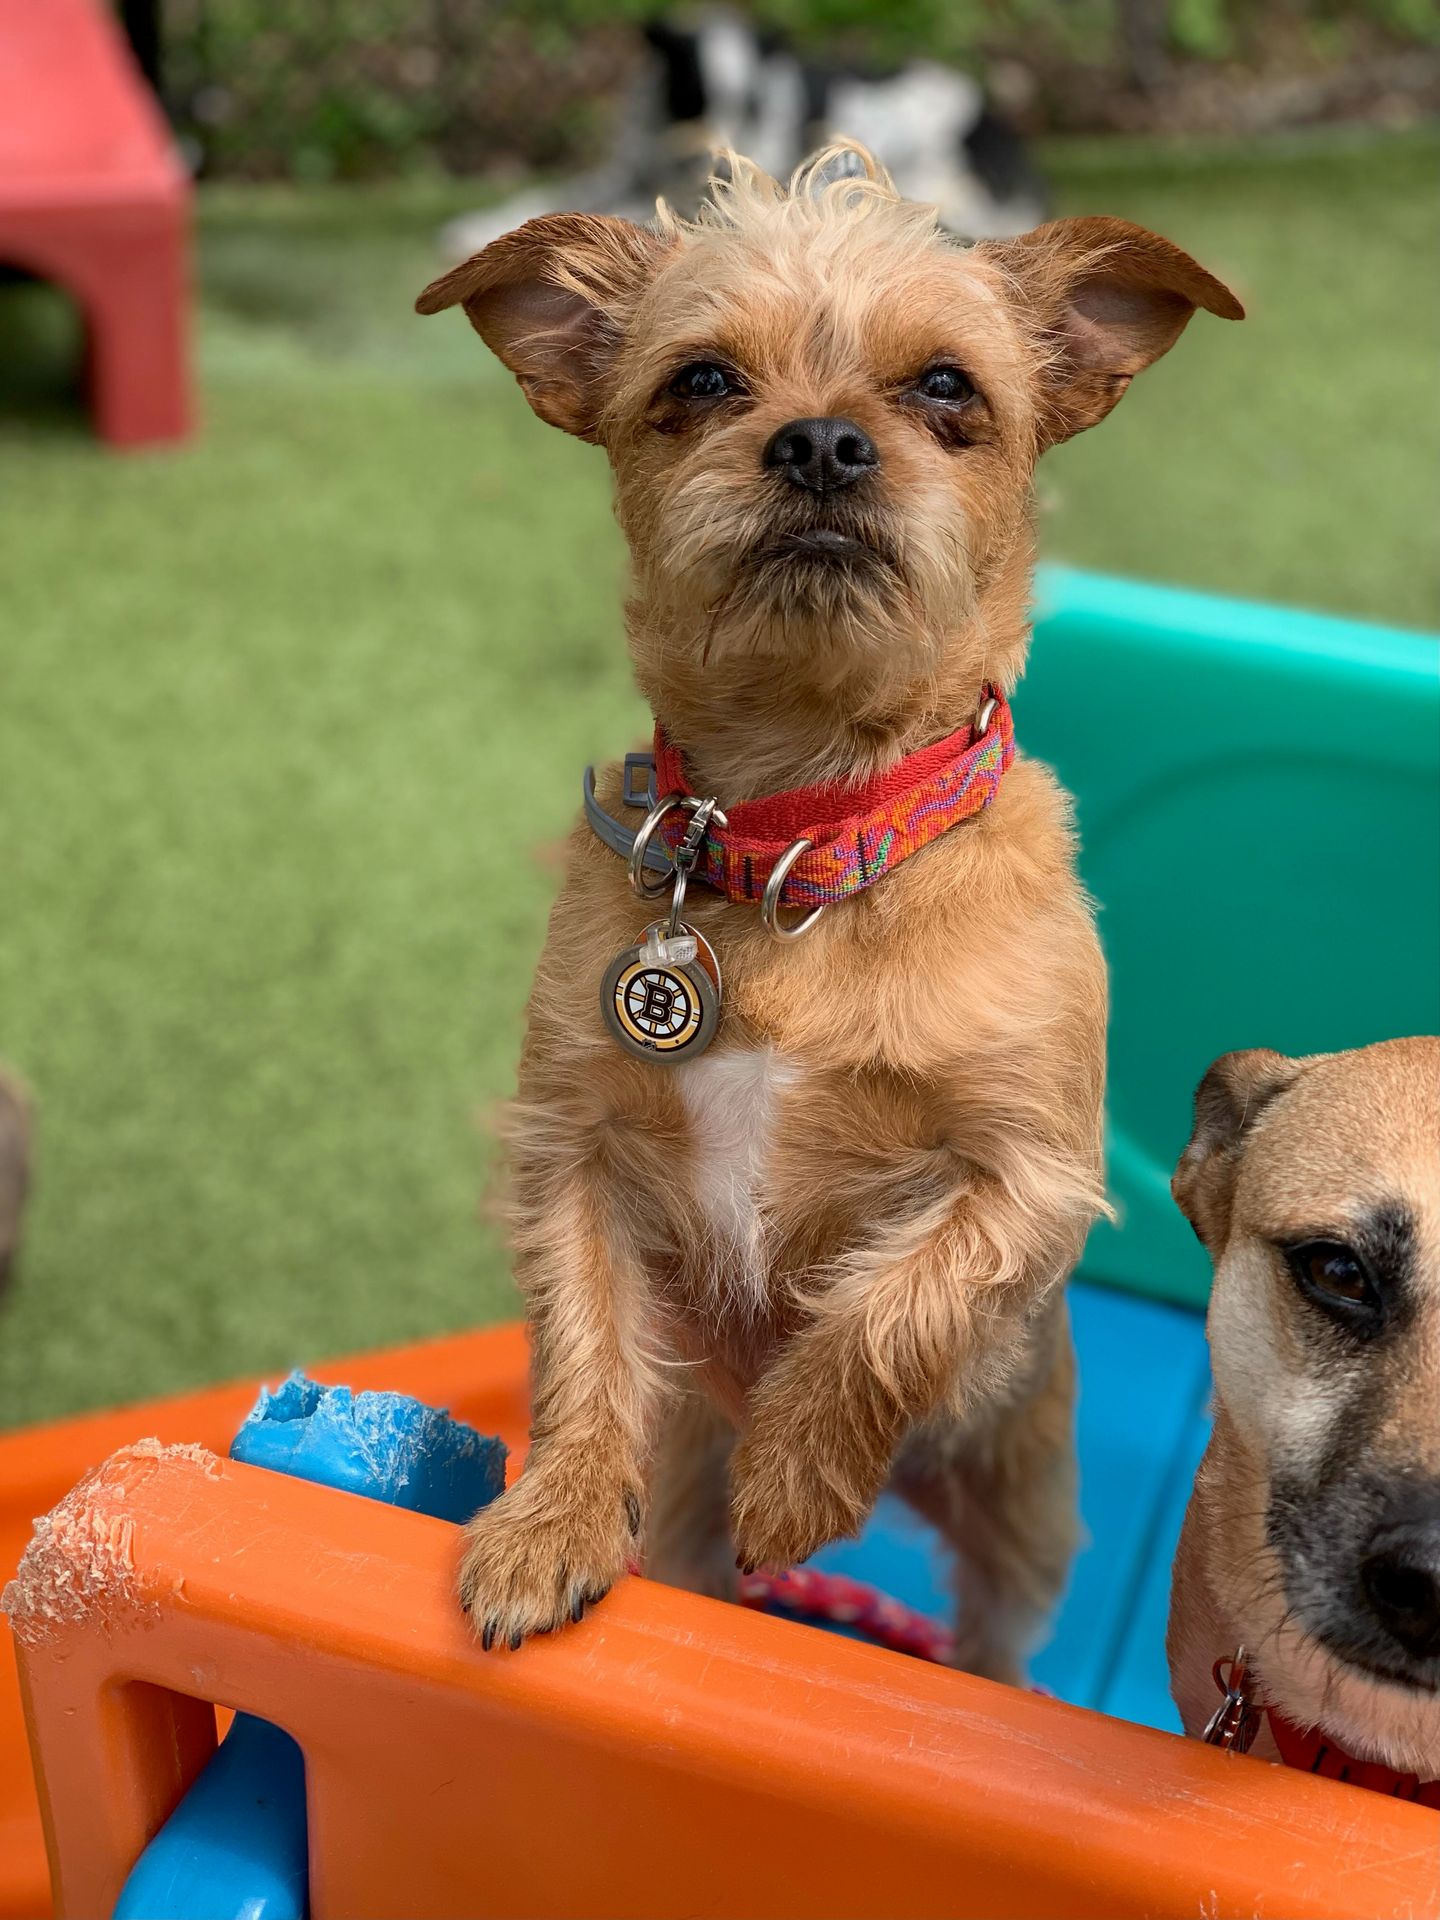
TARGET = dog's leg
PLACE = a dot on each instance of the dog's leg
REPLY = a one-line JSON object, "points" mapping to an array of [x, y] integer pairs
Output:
{"points": [[1000, 1488], [933, 1315], [563, 1534], [688, 1537]]}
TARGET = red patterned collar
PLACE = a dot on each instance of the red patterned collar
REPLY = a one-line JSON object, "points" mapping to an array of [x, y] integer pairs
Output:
{"points": [[848, 834], [1313, 1751], [1236, 1721]]}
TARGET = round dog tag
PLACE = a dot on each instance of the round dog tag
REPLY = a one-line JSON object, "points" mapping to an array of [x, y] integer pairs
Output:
{"points": [[659, 1005]]}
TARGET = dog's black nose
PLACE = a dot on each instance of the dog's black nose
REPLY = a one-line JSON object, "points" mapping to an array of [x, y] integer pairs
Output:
{"points": [[1401, 1578], [821, 455]]}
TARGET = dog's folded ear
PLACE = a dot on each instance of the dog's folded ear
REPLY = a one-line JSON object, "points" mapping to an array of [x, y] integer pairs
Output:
{"points": [[1108, 298], [1232, 1096], [551, 299]]}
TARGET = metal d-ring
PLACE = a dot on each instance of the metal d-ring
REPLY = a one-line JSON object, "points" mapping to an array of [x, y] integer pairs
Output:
{"points": [[641, 845], [985, 716], [770, 899]]}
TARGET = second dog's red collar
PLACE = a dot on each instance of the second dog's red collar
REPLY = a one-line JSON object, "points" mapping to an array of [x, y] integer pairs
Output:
{"points": [[1316, 1752], [856, 833], [1236, 1720]]}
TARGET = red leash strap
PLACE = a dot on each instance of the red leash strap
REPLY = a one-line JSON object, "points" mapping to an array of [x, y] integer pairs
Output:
{"points": [[811, 1594], [857, 833]]}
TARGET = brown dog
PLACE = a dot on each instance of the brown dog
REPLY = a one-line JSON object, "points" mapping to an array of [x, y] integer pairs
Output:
{"points": [[842, 1233], [1313, 1536]]}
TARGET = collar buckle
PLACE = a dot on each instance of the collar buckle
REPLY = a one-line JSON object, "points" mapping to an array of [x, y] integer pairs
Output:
{"points": [[688, 851], [702, 812]]}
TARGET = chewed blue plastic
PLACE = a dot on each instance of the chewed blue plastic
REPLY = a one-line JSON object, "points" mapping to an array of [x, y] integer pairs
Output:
{"points": [[383, 1445], [236, 1847]]}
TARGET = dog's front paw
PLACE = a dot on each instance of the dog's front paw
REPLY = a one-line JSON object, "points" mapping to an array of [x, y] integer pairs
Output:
{"points": [[785, 1505], [533, 1560]]}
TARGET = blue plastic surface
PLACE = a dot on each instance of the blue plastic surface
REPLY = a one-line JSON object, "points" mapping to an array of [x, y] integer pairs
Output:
{"points": [[1144, 1380], [236, 1847], [383, 1445], [1138, 1687]]}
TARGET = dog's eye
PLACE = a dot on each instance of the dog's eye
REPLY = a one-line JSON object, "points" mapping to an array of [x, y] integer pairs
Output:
{"points": [[702, 380], [944, 383], [1333, 1276]]}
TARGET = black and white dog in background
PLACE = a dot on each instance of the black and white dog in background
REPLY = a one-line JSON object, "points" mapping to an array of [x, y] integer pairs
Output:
{"points": [[718, 81]]}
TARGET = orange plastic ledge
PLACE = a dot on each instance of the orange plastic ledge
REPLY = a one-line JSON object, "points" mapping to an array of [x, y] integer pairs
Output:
{"points": [[669, 1755]]}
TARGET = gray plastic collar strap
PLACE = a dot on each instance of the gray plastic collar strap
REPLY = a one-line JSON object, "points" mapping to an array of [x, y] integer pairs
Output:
{"points": [[639, 792], [638, 786]]}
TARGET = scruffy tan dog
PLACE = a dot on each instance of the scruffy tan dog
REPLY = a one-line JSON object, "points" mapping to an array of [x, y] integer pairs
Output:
{"points": [[1313, 1536], [841, 1234]]}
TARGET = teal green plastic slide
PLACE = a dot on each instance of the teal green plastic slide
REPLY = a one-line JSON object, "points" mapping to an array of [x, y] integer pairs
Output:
{"points": [[1259, 804]]}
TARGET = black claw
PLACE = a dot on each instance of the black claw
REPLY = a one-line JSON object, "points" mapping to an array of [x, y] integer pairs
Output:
{"points": [[487, 1638], [577, 1607], [596, 1595], [746, 1566], [515, 1640], [632, 1513]]}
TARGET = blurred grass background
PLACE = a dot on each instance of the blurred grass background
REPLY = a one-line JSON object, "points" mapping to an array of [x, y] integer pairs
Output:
{"points": [[282, 783]]}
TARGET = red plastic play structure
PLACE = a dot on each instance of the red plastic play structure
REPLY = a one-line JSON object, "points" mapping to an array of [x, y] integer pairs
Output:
{"points": [[94, 198]]}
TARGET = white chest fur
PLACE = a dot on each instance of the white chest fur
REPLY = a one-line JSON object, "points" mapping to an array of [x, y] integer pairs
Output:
{"points": [[731, 1098]]}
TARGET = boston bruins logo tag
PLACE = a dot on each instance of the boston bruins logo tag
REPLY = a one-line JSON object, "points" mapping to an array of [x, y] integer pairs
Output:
{"points": [[661, 997]]}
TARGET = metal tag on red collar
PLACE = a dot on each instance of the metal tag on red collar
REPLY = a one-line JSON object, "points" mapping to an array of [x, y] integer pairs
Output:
{"points": [[661, 997]]}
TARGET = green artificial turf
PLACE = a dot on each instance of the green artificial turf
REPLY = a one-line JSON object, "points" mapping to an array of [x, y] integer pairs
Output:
{"points": [[291, 720]]}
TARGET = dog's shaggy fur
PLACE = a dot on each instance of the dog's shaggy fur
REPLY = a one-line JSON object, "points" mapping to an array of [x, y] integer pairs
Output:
{"points": [[1326, 1446], [834, 1246]]}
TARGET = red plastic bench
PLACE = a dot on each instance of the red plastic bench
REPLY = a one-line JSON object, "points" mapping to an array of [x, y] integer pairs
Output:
{"points": [[93, 197]]}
